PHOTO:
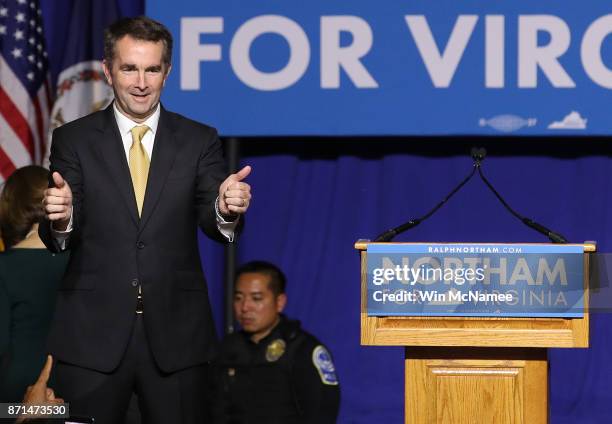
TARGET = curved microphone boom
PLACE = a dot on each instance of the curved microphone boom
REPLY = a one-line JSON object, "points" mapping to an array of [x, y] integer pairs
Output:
{"points": [[390, 234], [478, 154]]}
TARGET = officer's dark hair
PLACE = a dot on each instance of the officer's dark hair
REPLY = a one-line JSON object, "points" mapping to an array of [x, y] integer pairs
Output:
{"points": [[277, 283], [140, 28]]}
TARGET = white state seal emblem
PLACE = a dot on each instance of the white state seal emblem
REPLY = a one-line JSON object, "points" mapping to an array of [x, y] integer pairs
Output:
{"points": [[81, 90]]}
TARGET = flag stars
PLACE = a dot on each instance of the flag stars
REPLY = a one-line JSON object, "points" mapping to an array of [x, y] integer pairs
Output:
{"points": [[21, 32]]}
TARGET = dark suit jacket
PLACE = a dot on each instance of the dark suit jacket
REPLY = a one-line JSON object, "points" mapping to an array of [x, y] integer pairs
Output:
{"points": [[113, 251]]}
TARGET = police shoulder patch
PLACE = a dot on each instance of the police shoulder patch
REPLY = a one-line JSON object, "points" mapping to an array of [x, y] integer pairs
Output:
{"points": [[322, 361]]}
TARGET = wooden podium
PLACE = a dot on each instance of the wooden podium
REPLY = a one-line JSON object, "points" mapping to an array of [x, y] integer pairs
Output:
{"points": [[473, 370]]}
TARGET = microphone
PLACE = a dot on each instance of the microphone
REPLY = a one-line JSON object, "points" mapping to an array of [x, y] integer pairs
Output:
{"points": [[390, 234], [554, 237]]}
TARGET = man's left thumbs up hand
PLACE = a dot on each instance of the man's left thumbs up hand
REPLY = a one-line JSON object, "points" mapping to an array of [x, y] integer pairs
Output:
{"points": [[234, 194]]}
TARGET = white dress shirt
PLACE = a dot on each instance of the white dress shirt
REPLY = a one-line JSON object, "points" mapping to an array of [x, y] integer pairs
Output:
{"points": [[125, 124]]}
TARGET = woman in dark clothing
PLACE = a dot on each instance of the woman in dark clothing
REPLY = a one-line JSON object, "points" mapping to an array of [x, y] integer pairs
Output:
{"points": [[29, 278]]}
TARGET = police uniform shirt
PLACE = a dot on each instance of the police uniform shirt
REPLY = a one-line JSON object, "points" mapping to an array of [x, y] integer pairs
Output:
{"points": [[288, 377]]}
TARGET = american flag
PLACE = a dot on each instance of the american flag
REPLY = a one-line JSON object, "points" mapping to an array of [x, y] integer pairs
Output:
{"points": [[25, 99]]}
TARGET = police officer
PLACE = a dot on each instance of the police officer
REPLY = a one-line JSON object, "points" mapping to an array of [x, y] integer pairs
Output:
{"points": [[272, 371]]}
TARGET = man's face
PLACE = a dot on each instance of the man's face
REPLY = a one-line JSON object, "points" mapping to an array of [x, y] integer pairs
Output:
{"points": [[256, 307], [137, 76]]}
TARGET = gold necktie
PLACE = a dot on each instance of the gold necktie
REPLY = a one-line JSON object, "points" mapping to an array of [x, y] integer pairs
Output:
{"points": [[139, 165]]}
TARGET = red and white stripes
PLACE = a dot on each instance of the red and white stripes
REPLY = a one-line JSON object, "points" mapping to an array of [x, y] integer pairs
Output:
{"points": [[23, 122]]}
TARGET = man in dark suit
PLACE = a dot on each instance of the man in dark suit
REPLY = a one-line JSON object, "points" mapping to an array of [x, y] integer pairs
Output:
{"points": [[130, 185]]}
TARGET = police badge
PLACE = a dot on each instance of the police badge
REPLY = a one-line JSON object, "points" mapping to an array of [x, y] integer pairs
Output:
{"points": [[275, 350]]}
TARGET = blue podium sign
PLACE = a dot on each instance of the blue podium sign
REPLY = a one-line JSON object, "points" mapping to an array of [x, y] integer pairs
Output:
{"points": [[486, 280], [419, 67]]}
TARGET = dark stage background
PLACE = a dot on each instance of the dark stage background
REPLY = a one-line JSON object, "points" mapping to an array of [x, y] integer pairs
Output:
{"points": [[313, 197]]}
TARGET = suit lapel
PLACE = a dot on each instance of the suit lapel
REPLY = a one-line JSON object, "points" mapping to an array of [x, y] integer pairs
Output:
{"points": [[111, 149], [162, 159]]}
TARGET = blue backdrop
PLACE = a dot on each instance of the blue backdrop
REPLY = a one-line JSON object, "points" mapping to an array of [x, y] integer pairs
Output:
{"points": [[337, 67], [313, 197]]}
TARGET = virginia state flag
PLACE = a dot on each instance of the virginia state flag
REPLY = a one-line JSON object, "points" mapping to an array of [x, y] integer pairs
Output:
{"points": [[81, 86]]}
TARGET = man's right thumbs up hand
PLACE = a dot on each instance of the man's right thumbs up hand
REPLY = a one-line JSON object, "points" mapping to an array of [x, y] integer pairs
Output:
{"points": [[57, 202]]}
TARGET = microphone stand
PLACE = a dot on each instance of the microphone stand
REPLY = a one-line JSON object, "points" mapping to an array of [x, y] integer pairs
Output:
{"points": [[478, 155]]}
